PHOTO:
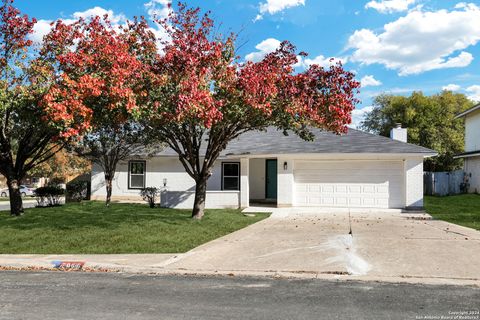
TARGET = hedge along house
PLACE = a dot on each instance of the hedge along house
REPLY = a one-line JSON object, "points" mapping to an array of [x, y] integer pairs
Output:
{"points": [[355, 170]]}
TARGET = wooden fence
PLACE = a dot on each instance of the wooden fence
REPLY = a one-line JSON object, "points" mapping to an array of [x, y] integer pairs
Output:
{"points": [[443, 183]]}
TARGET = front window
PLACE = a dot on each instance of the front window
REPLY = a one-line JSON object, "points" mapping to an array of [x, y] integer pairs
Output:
{"points": [[230, 176], [136, 174]]}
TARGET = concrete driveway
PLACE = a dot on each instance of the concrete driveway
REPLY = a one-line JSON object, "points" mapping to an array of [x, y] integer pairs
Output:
{"points": [[383, 246]]}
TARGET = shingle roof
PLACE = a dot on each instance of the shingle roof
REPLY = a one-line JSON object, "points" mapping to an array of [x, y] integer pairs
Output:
{"points": [[273, 141]]}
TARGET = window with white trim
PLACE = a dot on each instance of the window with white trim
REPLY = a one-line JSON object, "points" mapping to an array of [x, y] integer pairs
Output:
{"points": [[230, 176], [136, 174]]}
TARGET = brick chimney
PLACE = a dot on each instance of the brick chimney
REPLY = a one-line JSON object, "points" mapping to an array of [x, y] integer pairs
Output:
{"points": [[398, 133]]}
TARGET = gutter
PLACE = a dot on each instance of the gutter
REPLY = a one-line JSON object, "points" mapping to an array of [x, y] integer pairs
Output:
{"points": [[467, 154], [464, 113]]}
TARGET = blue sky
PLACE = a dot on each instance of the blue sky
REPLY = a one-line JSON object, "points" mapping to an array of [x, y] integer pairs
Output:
{"points": [[394, 46]]}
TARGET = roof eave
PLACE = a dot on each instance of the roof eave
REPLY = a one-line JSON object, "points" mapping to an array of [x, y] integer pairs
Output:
{"points": [[335, 154], [467, 155], [466, 112]]}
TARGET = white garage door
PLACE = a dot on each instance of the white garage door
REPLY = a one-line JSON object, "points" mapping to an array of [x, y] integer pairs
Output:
{"points": [[352, 184]]}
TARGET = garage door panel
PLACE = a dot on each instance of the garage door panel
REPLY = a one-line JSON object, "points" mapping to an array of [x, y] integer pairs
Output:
{"points": [[382, 189], [355, 202], [360, 164], [369, 189], [382, 203], [328, 201], [369, 202], [349, 183], [355, 188], [328, 189], [350, 179]]}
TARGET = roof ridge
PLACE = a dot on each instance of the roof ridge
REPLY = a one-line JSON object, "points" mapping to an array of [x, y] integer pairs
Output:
{"points": [[390, 139]]}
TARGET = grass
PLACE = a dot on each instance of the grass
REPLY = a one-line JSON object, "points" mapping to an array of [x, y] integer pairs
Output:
{"points": [[462, 209], [4, 199], [90, 228]]}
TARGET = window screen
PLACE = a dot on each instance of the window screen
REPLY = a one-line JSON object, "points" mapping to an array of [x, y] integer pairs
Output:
{"points": [[230, 176], [136, 174]]}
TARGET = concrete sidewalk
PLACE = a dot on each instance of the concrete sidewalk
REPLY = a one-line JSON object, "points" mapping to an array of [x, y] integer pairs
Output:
{"points": [[386, 246]]}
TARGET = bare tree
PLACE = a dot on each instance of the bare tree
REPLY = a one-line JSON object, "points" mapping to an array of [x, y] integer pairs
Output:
{"points": [[108, 145]]}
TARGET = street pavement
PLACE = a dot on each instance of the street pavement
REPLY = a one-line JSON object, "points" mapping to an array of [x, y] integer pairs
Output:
{"points": [[55, 295], [27, 203]]}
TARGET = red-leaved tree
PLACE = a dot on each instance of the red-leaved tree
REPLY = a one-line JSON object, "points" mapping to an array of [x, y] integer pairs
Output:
{"points": [[104, 79], [209, 97], [26, 141]]}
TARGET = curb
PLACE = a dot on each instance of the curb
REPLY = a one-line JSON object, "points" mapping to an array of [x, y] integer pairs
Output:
{"points": [[273, 274]]}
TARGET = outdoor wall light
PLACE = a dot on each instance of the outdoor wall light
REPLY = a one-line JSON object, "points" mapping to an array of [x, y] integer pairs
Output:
{"points": [[285, 165], [164, 182]]}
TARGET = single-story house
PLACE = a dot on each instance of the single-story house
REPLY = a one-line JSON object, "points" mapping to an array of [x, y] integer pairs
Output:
{"points": [[471, 155], [355, 170]]}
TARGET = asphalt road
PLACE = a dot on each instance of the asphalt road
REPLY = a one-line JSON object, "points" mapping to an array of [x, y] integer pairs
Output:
{"points": [[47, 295], [27, 203]]}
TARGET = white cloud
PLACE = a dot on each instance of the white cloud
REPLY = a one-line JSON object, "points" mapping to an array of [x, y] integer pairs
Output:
{"points": [[156, 9], [271, 44], [276, 6], [420, 41], [370, 81], [115, 19], [43, 27], [473, 93], [265, 47], [389, 6], [258, 17], [358, 116], [40, 30], [320, 60], [324, 61], [451, 87], [159, 9]]}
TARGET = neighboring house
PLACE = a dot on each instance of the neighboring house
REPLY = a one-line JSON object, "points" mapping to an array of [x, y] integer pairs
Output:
{"points": [[353, 170], [36, 182], [471, 155]]}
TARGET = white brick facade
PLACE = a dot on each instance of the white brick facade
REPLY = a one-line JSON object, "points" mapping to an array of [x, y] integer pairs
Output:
{"points": [[414, 183], [348, 180]]}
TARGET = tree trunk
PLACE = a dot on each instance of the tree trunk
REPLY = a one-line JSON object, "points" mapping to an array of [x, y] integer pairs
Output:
{"points": [[200, 196], [108, 185], [16, 204]]}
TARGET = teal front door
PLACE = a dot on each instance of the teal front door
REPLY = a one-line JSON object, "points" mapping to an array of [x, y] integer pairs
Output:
{"points": [[271, 179]]}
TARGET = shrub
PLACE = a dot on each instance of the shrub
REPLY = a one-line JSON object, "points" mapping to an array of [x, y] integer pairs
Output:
{"points": [[49, 196], [77, 191], [150, 195]]}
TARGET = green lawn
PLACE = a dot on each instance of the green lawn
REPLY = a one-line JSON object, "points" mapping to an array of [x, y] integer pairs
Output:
{"points": [[4, 199], [90, 227], [463, 209]]}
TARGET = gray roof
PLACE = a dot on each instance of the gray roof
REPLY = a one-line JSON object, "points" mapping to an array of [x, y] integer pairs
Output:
{"points": [[464, 113], [273, 141]]}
